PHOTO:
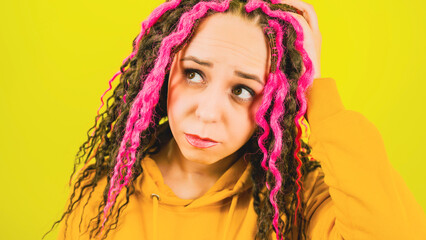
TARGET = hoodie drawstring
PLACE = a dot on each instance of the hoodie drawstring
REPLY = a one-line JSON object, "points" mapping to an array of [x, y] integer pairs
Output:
{"points": [[229, 216], [155, 199]]}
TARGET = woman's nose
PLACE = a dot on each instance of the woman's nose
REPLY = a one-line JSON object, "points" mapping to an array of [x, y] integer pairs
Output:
{"points": [[210, 105]]}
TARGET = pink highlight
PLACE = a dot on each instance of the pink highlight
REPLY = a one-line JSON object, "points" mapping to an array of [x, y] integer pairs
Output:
{"points": [[307, 76], [276, 115], [269, 90], [299, 166], [305, 80], [144, 103], [276, 88], [109, 89], [152, 19]]}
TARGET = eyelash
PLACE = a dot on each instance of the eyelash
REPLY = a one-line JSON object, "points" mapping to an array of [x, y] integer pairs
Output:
{"points": [[191, 70]]}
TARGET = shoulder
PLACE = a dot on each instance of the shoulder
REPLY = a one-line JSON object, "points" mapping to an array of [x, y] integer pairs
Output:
{"points": [[315, 191]]}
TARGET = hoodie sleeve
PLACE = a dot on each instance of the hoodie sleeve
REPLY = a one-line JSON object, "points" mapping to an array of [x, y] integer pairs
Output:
{"points": [[357, 194]]}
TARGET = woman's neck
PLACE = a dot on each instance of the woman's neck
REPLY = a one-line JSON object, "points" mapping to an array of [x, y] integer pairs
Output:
{"points": [[189, 179]]}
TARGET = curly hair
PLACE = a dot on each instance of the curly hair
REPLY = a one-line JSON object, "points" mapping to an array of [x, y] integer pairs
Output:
{"points": [[134, 122]]}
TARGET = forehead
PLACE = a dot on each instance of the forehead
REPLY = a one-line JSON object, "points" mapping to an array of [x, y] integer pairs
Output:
{"points": [[227, 39]]}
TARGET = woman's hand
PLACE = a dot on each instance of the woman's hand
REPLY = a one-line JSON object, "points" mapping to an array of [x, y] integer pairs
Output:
{"points": [[312, 35]]}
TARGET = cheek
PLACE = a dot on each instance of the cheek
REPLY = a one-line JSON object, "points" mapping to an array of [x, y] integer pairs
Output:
{"points": [[243, 124], [178, 102]]}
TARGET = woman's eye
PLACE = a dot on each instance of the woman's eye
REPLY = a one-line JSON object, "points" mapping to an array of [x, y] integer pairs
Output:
{"points": [[244, 93], [193, 76]]}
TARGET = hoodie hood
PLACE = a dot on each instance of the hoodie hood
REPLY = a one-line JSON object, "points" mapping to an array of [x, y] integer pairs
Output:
{"points": [[233, 181]]}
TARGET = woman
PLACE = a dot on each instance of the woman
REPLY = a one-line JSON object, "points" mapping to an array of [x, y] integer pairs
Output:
{"points": [[202, 138]]}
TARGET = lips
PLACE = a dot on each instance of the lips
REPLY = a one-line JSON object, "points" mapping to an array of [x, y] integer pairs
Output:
{"points": [[199, 142]]}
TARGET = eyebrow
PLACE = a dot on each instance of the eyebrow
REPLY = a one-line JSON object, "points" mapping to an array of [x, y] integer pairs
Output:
{"points": [[210, 64]]}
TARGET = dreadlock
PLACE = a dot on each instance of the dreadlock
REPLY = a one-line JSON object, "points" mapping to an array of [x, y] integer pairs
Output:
{"points": [[134, 122]]}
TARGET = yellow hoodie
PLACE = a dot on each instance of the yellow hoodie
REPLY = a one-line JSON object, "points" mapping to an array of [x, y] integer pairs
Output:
{"points": [[356, 195]]}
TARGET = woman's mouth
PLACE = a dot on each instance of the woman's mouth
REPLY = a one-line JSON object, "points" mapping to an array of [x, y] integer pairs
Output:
{"points": [[196, 141]]}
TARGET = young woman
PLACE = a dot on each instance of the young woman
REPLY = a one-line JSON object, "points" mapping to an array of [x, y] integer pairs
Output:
{"points": [[202, 138]]}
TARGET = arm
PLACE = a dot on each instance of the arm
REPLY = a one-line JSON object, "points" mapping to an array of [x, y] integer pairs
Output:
{"points": [[367, 199]]}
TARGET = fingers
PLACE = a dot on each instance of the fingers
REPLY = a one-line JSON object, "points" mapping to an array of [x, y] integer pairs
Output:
{"points": [[308, 13]]}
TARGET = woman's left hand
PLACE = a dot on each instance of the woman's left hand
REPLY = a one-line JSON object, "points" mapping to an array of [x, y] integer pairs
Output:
{"points": [[312, 36]]}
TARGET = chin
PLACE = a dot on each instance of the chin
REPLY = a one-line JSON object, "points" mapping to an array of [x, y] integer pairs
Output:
{"points": [[199, 156]]}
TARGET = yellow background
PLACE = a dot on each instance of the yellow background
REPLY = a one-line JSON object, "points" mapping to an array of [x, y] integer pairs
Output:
{"points": [[57, 56]]}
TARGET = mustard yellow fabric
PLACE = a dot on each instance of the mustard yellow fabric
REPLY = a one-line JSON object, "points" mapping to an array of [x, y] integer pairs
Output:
{"points": [[356, 195]]}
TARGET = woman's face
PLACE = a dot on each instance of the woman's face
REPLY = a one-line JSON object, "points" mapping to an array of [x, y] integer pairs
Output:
{"points": [[215, 87]]}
